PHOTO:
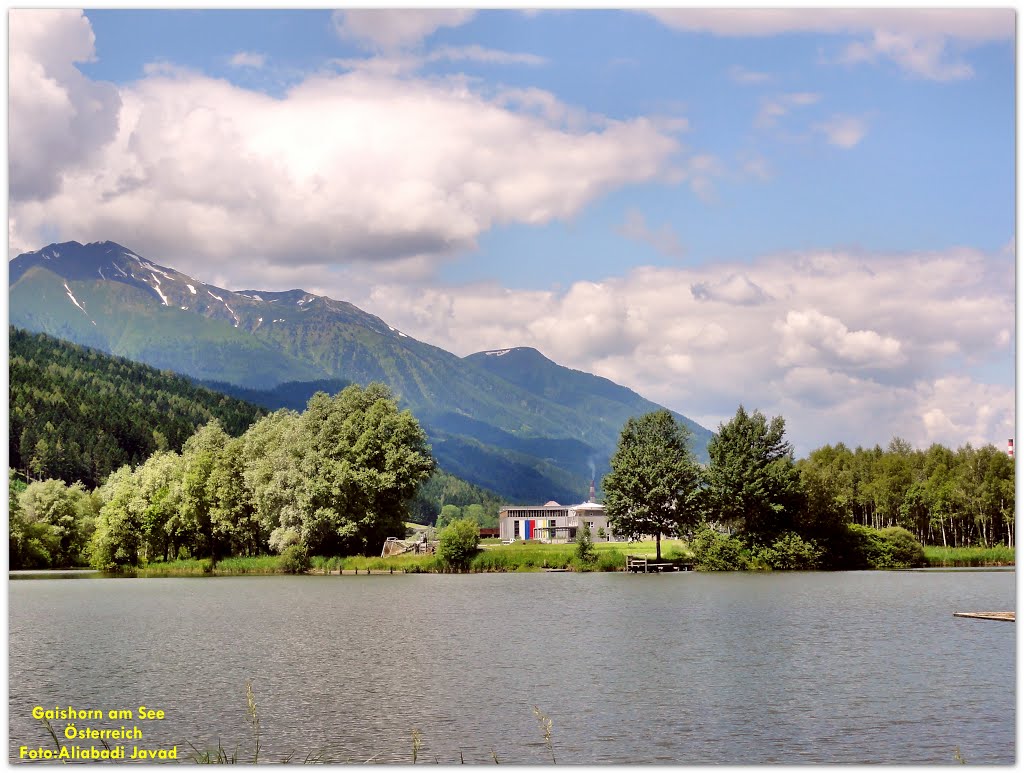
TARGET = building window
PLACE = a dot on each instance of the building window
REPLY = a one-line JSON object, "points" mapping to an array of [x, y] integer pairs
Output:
{"points": [[515, 529]]}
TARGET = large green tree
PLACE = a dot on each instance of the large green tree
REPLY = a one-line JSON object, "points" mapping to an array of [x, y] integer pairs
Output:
{"points": [[361, 460], [68, 511], [654, 486], [753, 483]]}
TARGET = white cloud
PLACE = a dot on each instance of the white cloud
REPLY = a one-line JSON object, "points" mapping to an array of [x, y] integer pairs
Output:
{"points": [[844, 131], [248, 59], [925, 57], [391, 30], [357, 166], [848, 347], [663, 239], [918, 40], [809, 337], [58, 119]]}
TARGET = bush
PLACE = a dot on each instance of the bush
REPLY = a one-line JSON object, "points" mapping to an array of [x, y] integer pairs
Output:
{"points": [[891, 548], [293, 560], [717, 552], [457, 544], [790, 551], [901, 549], [585, 553]]}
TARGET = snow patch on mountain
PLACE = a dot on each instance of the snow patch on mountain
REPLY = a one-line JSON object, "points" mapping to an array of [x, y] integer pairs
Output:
{"points": [[157, 288], [74, 300]]}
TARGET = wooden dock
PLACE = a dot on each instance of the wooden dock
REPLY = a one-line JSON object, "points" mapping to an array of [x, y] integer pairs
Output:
{"points": [[648, 565], [1009, 617]]}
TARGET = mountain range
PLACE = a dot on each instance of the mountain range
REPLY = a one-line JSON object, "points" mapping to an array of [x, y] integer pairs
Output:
{"points": [[510, 420]]}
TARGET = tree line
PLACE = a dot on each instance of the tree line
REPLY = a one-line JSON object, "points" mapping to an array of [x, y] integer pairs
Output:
{"points": [[334, 480], [835, 509]]}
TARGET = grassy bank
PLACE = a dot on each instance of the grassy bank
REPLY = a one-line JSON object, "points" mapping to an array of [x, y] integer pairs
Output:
{"points": [[518, 557], [998, 555]]}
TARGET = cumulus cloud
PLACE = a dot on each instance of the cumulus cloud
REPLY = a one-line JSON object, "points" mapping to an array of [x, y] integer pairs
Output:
{"points": [[810, 336], [923, 42], [848, 347], [391, 30], [59, 119], [358, 166]]}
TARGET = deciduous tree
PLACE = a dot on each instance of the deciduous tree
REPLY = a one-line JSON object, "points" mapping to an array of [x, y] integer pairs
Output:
{"points": [[753, 483], [654, 486]]}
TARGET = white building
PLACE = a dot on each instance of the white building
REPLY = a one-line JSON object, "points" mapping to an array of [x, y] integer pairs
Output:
{"points": [[552, 522]]}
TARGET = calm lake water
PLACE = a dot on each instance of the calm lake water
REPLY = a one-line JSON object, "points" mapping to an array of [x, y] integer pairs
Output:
{"points": [[691, 668]]}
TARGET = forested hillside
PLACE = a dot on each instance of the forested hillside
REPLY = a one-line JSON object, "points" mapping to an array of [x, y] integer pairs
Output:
{"points": [[79, 414]]}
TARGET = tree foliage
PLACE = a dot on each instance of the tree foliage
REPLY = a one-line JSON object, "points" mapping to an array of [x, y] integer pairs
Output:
{"points": [[458, 544], [654, 486], [753, 484], [336, 479], [585, 552], [443, 489], [941, 496]]}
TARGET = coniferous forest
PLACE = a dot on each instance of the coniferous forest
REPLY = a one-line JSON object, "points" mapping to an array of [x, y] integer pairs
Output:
{"points": [[77, 414]]}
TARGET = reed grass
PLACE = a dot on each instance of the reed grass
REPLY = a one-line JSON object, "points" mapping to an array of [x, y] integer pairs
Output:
{"points": [[997, 555], [195, 567]]}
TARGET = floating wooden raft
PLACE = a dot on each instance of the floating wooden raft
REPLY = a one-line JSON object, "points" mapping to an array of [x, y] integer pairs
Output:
{"points": [[1010, 617]]}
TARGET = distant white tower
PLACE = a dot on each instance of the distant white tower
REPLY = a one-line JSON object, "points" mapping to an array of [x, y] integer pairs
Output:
{"points": [[1009, 448]]}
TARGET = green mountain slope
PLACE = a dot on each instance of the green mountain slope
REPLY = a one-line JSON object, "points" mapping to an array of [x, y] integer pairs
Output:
{"points": [[527, 438], [586, 393], [78, 414]]}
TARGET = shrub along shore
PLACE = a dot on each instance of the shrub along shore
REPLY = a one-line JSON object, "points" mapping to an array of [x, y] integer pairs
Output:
{"points": [[521, 557]]}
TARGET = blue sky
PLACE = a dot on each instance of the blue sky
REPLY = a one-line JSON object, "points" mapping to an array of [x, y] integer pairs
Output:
{"points": [[810, 212]]}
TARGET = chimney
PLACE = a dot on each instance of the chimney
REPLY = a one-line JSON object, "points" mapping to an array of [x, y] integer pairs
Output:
{"points": [[591, 490]]}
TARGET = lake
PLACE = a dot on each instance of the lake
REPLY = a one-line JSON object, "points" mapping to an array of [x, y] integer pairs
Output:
{"points": [[688, 668]]}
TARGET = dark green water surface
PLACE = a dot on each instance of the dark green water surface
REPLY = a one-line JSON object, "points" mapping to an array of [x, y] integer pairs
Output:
{"points": [[692, 668]]}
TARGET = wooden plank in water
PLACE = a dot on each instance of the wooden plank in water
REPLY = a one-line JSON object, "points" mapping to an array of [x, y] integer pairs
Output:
{"points": [[1010, 617]]}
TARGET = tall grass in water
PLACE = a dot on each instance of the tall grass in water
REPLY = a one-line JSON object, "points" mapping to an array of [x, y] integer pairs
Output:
{"points": [[997, 555], [254, 720], [197, 567], [545, 726]]}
